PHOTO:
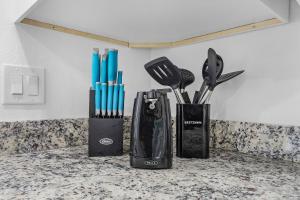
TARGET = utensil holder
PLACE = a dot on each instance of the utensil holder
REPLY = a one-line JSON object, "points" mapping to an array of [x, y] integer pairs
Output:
{"points": [[192, 130], [105, 135]]}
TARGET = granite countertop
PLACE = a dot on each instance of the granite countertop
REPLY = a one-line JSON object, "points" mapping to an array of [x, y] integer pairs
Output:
{"points": [[70, 174]]}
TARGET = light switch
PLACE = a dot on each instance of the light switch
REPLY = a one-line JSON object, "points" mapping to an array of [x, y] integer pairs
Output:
{"points": [[22, 85], [16, 84], [33, 85]]}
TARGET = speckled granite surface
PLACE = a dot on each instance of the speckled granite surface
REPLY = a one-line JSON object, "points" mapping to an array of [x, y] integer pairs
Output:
{"points": [[69, 174], [274, 141], [27, 136]]}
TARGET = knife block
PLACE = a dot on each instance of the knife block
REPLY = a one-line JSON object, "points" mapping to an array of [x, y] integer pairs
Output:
{"points": [[105, 135], [192, 130]]}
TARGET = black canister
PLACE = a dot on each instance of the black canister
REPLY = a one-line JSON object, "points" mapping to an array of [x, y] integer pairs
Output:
{"points": [[192, 130]]}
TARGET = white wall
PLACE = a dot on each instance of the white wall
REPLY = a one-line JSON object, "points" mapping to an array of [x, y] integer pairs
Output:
{"points": [[269, 91], [66, 59]]}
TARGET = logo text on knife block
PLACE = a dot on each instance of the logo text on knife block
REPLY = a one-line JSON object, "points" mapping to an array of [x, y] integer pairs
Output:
{"points": [[106, 141]]}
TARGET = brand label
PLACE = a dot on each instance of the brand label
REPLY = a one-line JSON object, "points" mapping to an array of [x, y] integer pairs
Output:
{"points": [[192, 122], [106, 141], [151, 162]]}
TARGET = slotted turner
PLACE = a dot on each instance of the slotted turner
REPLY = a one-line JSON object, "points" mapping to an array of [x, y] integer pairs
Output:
{"points": [[165, 73], [226, 77], [223, 78]]}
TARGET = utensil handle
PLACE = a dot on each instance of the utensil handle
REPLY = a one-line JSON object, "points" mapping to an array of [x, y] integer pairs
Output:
{"points": [[186, 97], [178, 95], [205, 96], [98, 99], [203, 93], [208, 98], [197, 96], [110, 90], [121, 100], [103, 98], [115, 99]]}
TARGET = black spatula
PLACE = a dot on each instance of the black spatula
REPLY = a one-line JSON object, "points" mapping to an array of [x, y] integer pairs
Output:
{"points": [[210, 75], [187, 78], [219, 69], [165, 73]]}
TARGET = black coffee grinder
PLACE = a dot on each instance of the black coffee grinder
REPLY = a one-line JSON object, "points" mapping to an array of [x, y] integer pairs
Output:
{"points": [[151, 132]]}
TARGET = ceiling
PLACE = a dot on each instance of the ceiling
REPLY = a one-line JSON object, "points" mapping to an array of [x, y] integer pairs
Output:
{"points": [[150, 21]]}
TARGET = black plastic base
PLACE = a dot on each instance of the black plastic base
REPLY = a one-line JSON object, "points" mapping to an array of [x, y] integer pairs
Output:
{"points": [[105, 137], [192, 130], [105, 134], [150, 163]]}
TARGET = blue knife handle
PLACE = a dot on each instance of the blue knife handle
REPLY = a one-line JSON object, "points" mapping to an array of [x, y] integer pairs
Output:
{"points": [[110, 90], [95, 68], [121, 100], [120, 77], [112, 65], [115, 99], [103, 73], [103, 98], [98, 98]]}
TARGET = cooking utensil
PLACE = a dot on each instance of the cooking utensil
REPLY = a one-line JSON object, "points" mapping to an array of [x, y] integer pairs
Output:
{"points": [[187, 78], [210, 77], [219, 69], [165, 73], [223, 78], [228, 76]]}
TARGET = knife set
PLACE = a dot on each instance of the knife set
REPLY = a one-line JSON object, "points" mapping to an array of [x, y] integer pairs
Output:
{"points": [[192, 117], [106, 105]]}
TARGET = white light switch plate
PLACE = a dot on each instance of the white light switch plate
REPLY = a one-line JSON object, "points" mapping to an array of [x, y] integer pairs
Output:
{"points": [[22, 85]]}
